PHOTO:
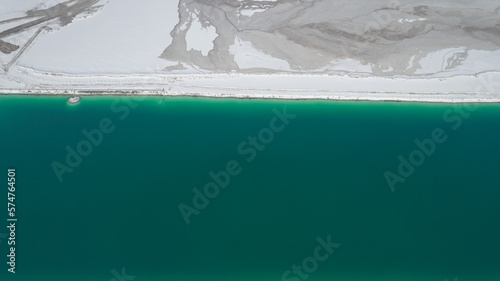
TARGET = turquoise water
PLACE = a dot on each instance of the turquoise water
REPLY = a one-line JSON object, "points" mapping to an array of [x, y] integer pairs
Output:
{"points": [[317, 175]]}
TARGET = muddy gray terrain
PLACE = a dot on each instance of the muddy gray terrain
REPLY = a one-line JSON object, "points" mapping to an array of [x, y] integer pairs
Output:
{"points": [[390, 37]]}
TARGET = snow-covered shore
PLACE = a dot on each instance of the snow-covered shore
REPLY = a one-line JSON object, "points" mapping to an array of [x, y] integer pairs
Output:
{"points": [[480, 88], [348, 50]]}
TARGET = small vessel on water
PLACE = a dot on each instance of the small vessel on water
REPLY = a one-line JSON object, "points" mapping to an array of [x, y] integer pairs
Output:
{"points": [[74, 100]]}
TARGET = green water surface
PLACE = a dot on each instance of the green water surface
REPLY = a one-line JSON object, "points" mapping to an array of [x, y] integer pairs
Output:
{"points": [[318, 175]]}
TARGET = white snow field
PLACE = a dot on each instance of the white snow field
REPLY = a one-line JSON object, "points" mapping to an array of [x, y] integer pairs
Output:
{"points": [[434, 51]]}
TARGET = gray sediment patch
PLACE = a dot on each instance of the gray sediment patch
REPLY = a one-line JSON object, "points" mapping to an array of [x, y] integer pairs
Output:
{"points": [[389, 37]]}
